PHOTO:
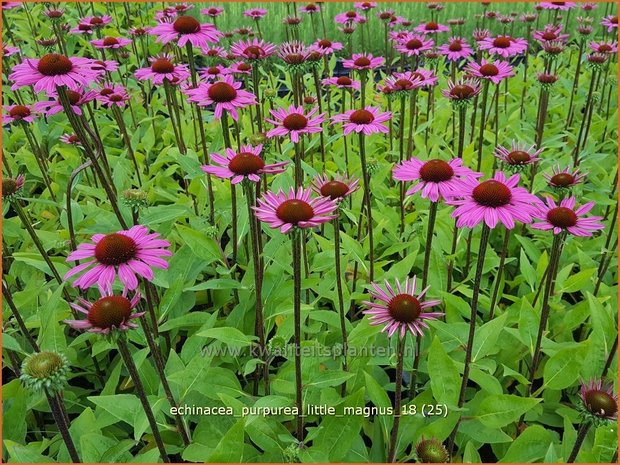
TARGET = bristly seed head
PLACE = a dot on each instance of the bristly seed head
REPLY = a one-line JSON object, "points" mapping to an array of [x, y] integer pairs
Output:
{"points": [[502, 42], [222, 92], [115, 249], [404, 308], [162, 66], [362, 61], [562, 217], [492, 193], [295, 122], [436, 171], [361, 117], [54, 64], [186, 25], [245, 163], [489, 70], [19, 112], [518, 157], [344, 81], [294, 210], [109, 312], [110, 41], [334, 189], [601, 404]]}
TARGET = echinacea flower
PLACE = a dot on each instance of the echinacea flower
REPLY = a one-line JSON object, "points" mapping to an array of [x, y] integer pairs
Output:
{"points": [[456, 49], [163, 69], [349, 17], [254, 49], [243, 164], [76, 98], [293, 54], [599, 402], [400, 309], [368, 121], [212, 11], [562, 6], [294, 209], [342, 82], [326, 47], [505, 46], [104, 66], [481, 34], [495, 71], [239, 67], [110, 42], [295, 122], [11, 5], [310, 8], [437, 179], [18, 113], [109, 313], [139, 31], [127, 253], [519, 155], [184, 30], [564, 217], [431, 28], [226, 95], [363, 61], [12, 186], [53, 70], [413, 45], [564, 178], [496, 200], [96, 22], [604, 47], [45, 371], [211, 51], [338, 188], [213, 73], [117, 97], [462, 92], [610, 22], [550, 32], [8, 51], [365, 6], [70, 139], [255, 13]]}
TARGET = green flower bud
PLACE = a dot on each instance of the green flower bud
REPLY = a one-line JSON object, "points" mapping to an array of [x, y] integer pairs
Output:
{"points": [[45, 370]]}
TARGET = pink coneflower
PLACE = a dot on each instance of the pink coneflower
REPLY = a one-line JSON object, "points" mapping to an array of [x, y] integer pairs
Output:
{"points": [[365, 6], [481, 34], [406, 81], [326, 47], [183, 7], [77, 98], [336, 189], [11, 5], [165, 14], [599, 400], [54, 13], [456, 49], [495, 200], [565, 217], [518, 155], [226, 95], [495, 71], [110, 42], [9, 51], [553, 48], [85, 29], [243, 31], [53, 70], [463, 91], [550, 32], [295, 209], [505, 46], [12, 186], [349, 17], [310, 8], [400, 309], [368, 121], [239, 67], [427, 77], [255, 13], [589, 6], [109, 313], [70, 139], [413, 45], [101, 67], [213, 52], [115, 96], [293, 53], [386, 15], [295, 122], [362, 61], [604, 47], [163, 68], [139, 31], [431, 28], [18, 113], [342, 82], [254, 49], [435, 178], [563, 6], [186, 29], [127, 253], [564, 178], [243, 164], [96, 22], [213, 73], [212, 11]]}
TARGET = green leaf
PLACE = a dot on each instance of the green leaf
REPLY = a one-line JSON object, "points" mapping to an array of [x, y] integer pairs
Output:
{"points": [[485, 342], [230, 447], [229, 336], [530, 446], [445, 378], [330, 378], [500, 410], [577, 281], [563, 368], [202, 245]]}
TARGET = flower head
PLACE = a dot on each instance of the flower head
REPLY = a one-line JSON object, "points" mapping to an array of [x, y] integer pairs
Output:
{"points": [[109, 313], [365, 6], [563, 6], [70, 139], [295, 122], [342, 82], [239, 67], [213, 73], [564, 178], [12, 186], [110, 42], [368, 121], [77, 98], [129, 253], [243, 164], [599, 402], [519, 155], [349, 17], [53, 70], [294, 209], [403, 82], [431, 451], [113, 96], [462, 92], [610, 22], [431, 28], [254, 49], [413, 44], [163, 68], [184, 30], [400, 309], [550, 32], [212, 11], [336, 189], [495, 71], [363, 61], [456, 49], [496, 200], [45, 371], [564, 217], [608, 47], [255, 13], [326, 47], [293, 54], [435, 178], [310, 8], [505, 46], [18, 113], [226, 94]]}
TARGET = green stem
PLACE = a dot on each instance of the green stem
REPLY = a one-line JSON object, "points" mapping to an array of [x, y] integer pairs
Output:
{"points": [[397, 398]]}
